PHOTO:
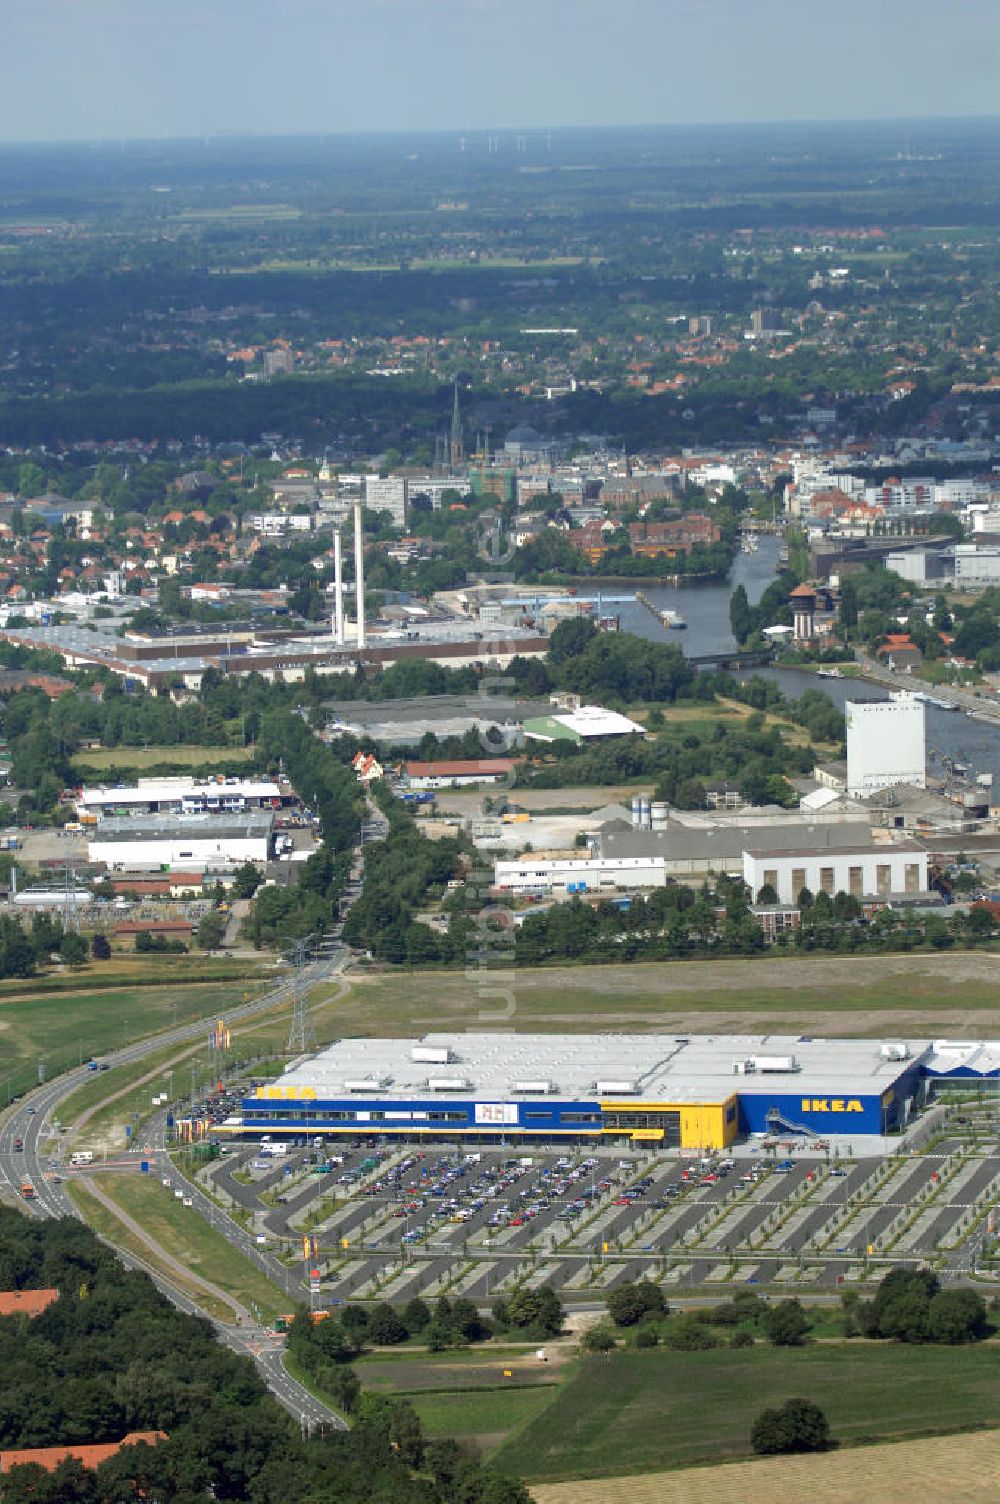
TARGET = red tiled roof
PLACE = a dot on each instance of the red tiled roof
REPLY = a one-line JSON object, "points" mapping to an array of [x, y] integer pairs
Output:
{"points": [[26, 1302], [91, 1455]]}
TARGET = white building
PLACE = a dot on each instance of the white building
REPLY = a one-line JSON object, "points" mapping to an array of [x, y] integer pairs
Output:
{"points": [[172, 841], [387, 495], [277, 524], [863, 871], [885, 744], [188, 796], [977, 563], [592, 875]]}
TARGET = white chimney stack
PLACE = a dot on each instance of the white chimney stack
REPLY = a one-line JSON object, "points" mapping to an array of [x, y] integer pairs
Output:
{"points": [[359, 573], [338, 589]]}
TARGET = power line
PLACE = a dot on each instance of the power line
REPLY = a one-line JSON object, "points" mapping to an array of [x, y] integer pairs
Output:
{"points": [[301, 1035]]}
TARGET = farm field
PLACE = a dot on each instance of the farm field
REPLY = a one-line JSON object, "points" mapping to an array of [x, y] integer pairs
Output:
{"points": [[920, 995], [648, 1411], [961, 1469], [150, 757], [465, 1394]]}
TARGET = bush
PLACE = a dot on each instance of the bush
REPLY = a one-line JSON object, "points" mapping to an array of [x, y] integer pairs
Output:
{"points": [[795, 1426], [786, 1324], [741, 1339], [646, 1336], [688, 1334], [598, 1339]]}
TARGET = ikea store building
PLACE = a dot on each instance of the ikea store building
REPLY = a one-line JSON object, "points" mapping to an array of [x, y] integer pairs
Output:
{"points": [[680, 1092]]}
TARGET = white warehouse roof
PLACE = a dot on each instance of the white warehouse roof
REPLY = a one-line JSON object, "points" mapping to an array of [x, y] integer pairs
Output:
{"points": [[654, 1067], [168, 790], [593, 720]]}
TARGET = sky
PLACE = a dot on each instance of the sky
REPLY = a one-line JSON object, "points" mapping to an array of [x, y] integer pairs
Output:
{"points": [[99, 69]]}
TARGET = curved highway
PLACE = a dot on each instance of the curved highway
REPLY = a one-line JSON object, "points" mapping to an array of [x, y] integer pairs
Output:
{"points": [[32, 1121]]}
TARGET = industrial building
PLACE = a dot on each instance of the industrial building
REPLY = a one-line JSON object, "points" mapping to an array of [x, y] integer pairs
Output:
{"points": [[886, 743], [585, 723], [568, 875], [865, 871], [168, 841], [629, 856], [684, 1092], [189, 796]]}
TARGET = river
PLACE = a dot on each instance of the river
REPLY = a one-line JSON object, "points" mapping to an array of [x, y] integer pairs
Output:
{"points": [[705, 608]]}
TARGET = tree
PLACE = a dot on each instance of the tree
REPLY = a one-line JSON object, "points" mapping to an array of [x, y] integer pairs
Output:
{"points": [[900, 1308], [956, 1316], [848, 604], [570, 638], [385, 1327], [740, 619], [416, 1315], [795, 1426], [531, 1310], [246, 881], [628, 1304], [767, 893], [100, 947], [210, 931], [73, 948], [786, 1324]]}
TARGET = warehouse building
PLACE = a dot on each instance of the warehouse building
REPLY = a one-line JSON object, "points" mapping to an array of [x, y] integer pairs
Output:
{"points": [[865, 871], [163, 842], [886, 743], [688, 1093], [188, 796]]}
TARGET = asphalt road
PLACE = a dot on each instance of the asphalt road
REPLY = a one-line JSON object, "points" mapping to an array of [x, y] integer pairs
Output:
{"points": [[32, 1121]]}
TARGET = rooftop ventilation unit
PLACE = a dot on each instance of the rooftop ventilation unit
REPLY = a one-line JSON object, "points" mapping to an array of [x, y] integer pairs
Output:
{"points": [[448, 1083], [766, 1064], [616, 1088], [427, 1054], [365, 1083], [895, 1051], [532, 1088]]}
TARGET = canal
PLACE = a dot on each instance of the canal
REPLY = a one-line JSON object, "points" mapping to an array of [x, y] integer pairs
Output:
{"points": [[950, 733]]}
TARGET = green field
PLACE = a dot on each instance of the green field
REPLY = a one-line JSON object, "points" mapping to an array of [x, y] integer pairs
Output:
{"points": [[924, 995], [485, 1417], [58, 1025], [108, 1227], [149, 757], [180, 1232], [643, 1411], [464, 1393]]}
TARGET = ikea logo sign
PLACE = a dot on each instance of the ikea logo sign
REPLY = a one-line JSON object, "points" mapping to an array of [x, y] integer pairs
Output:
{"points": [[831, 1104]]}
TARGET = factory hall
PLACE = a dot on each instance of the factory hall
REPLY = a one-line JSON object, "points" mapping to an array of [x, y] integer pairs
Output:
{"points": [[691, 1092]]}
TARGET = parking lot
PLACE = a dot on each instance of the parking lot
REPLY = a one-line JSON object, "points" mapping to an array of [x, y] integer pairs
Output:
{"points": [[396, 1219]]}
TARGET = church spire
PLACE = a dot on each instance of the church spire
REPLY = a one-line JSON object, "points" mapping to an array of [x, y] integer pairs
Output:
{"points": [[457, 448]]}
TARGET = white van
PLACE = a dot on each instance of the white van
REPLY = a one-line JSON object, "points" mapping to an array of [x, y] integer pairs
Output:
{"points": [[82, 1157]]}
